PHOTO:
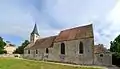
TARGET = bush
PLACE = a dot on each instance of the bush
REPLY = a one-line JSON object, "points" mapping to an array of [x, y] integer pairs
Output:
{"points": [[15, 55], [116, 59]]}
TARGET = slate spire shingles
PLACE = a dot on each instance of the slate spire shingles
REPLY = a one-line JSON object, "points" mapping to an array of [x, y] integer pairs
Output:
{"points": [[35, 31]]}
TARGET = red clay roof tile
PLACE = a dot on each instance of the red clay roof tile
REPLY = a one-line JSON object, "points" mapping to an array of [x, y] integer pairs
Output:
{"points": [[75, 33], [44, 43]]}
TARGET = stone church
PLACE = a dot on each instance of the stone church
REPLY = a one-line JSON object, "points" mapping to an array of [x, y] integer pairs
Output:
{"points": [[75, 45]]}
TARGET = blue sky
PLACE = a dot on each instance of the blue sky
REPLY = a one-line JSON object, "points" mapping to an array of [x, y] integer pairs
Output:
{"points": [[17, 18]]}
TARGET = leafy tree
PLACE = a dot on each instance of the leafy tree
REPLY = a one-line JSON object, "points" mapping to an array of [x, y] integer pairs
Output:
{"points": [[20, 49], [2, 44], [115, 48], [115, 45]]}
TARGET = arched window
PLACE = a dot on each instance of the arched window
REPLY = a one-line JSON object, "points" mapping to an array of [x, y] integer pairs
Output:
{"points": [[36, 51], [62, 48], [47, 51], [81, 48], [28, 51]]}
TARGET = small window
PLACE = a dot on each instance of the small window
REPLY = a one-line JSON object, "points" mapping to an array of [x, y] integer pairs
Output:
{"points": [[47, 51], [81, 48], [62, 48], [101, 55], [28, 51], [36, 51]]}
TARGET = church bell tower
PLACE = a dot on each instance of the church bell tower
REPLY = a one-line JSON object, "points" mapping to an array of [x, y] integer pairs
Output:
{"points": [[34, 35]]}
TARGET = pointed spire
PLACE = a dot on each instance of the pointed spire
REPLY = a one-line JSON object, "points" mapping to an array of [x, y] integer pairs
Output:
{"points": [[35, 31]]}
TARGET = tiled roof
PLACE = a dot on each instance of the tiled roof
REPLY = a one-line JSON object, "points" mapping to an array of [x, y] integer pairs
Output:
{"points": [[44, 43], [9, 45], [29, 46], [99, 49], [75, 33], [69, 34]]}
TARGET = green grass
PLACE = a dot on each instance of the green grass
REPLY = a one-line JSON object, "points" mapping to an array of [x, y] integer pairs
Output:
{"points": [[12, 63]]}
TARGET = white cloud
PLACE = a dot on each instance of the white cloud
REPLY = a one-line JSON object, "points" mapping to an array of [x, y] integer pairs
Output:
{"points": [[114, 15], [13, 20], [75, 13], [114, 19], [52, 16]]}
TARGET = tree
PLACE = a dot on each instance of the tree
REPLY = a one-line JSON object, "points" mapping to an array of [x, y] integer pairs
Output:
{"points": [[20, 49], [2, 44], [115, 48], [115, 45]]}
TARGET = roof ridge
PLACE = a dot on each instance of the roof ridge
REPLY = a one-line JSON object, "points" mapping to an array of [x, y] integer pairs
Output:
{"points": [[75, 33], [48, 37], [76, 27]]}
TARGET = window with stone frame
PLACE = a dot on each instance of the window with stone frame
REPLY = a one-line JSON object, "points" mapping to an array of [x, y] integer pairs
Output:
{"points": [[36, 51], [81, 49], [101, 55], [28, 51], [62, 48], [47, 50]]}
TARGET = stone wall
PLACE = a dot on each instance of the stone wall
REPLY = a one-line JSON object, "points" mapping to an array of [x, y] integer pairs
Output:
{"points": [[103, 59], [71, 52], [11, 55]]}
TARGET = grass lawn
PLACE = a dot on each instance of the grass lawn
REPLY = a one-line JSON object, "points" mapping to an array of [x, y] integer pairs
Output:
{"points": [[12, 63]]}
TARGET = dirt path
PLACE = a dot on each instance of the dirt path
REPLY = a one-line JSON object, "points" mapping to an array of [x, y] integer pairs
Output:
{"points": [[113, 67]]}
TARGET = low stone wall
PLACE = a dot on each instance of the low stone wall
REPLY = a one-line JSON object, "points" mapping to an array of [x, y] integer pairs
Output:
{"points": [[60, 58], [11, 55], [103, 59]]}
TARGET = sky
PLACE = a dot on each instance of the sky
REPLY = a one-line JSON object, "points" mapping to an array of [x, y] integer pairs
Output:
{"points": [[17, 18]]}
